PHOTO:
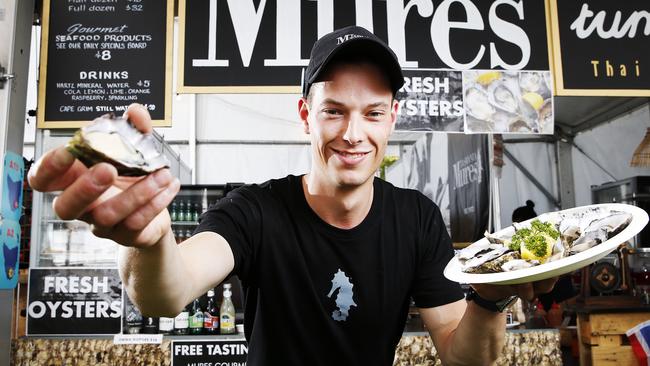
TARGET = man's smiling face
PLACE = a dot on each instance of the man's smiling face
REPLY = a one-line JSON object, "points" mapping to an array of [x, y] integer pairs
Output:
{"points": [[349, 116]]}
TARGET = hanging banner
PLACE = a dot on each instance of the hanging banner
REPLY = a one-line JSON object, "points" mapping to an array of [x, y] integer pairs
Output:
{"points": [[600, 47], [222, 352], [78, 301], [100, 56], [468, 187], [249, 46]]}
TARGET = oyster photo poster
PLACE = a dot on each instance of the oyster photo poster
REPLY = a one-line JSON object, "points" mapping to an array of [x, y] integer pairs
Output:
{"points": [[98, 57], [74, 301]]}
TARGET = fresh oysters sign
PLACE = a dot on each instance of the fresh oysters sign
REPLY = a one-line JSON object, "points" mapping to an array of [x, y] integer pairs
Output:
{"points": [[99, 56], [251, 46], [601, 47]]}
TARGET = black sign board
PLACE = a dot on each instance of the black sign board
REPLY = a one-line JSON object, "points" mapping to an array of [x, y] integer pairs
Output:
{"points": [[431, 100], [468, 186], [101, 56], [601, 47], [80, 301], [262, 46], [218, 352]]}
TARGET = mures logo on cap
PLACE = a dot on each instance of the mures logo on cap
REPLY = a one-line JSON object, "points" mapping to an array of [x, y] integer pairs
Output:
{"points": [[347, 37]]}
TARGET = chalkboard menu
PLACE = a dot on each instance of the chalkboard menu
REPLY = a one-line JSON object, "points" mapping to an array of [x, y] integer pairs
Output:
{"points": [[99, 56]]}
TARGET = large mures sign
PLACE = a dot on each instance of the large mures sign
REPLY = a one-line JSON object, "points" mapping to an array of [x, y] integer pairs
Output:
{"points": [[263, 45]]}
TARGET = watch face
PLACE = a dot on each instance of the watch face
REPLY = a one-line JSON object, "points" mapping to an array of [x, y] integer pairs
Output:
{"points": [[502, 304]]}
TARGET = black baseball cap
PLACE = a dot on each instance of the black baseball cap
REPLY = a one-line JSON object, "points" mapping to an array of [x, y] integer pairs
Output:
{"points": [[349, 42]]}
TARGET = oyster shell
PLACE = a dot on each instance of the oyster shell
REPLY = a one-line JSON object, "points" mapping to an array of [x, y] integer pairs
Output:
{"points": [[531, 81], [494, 264], [117, 142], [504, 95], [477, 103]]}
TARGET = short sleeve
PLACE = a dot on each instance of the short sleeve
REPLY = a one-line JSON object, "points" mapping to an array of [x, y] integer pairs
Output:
{"points": [[430, 287], [237, 219]]}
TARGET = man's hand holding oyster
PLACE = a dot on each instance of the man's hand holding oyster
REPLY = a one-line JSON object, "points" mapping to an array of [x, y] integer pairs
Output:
{"points": [[129, 210]]}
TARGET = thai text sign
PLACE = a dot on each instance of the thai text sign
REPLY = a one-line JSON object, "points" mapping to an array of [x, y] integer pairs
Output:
{"points": [[601, 47]]}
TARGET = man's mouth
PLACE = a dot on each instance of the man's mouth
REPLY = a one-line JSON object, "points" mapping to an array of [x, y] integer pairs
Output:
{"points": [[350, 157]]}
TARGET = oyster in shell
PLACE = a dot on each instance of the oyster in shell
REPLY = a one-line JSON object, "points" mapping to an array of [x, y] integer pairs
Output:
{"points": [[117, 142], [504, 96], [478, 104], [495, 262]]}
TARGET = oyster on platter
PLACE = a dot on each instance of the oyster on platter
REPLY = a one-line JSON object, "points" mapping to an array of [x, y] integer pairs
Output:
{"points": [[117, 142], [548, 238]]}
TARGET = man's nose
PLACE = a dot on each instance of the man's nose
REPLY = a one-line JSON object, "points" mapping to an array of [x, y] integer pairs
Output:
{"points": [[353, 133]]}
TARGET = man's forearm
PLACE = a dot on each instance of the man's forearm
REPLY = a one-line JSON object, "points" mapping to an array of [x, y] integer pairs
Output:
{"points": [[478, 339], [156, 278]]}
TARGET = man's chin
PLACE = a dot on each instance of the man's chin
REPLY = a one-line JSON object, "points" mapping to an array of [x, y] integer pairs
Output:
{"points": [[352, 181]]}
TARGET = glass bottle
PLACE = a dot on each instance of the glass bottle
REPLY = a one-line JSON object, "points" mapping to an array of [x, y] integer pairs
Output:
{"points": [[227, 313], [181, 322], [181, 211], [174, 212], [196, 318], [165, 325], [150, 325], [211, 315], [195, 212]]}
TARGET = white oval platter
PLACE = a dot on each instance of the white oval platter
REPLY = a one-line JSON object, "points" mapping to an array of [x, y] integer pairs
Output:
{"points": [[559, 267]]}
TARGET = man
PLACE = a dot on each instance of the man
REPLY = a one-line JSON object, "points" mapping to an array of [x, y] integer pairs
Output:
{"points": [[330, 259]]}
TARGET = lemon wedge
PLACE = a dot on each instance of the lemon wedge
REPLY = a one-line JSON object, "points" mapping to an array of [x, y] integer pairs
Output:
{"points": [[528, 254], [487, 77], [534, 99]]}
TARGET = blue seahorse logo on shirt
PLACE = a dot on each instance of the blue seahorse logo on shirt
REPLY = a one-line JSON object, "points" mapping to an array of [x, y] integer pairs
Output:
{"points": [[344, 299]]}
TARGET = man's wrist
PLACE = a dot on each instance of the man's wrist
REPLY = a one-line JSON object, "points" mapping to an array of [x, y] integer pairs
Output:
{"points": [[497, 306]]}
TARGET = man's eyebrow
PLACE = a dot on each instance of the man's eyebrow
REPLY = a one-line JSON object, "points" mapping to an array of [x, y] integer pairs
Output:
{"points": [[378, 104], [332, 101]]}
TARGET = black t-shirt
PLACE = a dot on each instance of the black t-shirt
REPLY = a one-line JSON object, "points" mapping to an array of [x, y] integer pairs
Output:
{"points": [[320, 295]]}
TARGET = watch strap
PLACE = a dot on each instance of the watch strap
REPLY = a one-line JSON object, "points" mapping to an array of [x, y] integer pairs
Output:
{"points": [[497, 306]]}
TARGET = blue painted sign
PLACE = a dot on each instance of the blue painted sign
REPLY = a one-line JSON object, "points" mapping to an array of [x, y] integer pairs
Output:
{"points": [[13, 174], [10, 253], [12, 186]]}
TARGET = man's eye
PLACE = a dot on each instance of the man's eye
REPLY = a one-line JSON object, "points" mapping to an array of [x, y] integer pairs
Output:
{"points": [[375, 114], [333, 112]]}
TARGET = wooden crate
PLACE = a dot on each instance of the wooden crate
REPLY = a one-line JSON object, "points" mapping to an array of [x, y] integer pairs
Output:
{"points": [[602, 338]]}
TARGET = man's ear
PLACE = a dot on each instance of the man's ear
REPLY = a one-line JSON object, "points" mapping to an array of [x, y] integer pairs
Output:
{"points": [[303, 112]]}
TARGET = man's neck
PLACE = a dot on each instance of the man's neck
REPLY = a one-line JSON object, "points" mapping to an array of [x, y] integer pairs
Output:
{"points": [[344, 208]]}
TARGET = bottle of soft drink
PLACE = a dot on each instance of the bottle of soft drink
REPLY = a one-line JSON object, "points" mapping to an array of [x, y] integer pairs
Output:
{"points": [[196, 318], [211, 315], [173, 212], [195, 212], [181, 211], [227, 318]]}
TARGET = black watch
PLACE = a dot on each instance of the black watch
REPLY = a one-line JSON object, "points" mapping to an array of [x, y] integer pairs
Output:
{"points": [[496, 306]]}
